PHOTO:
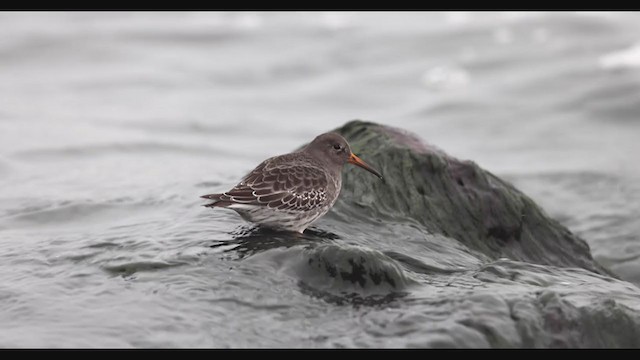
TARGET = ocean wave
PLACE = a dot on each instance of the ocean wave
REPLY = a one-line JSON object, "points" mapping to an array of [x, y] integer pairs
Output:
{"points": [[118, 148]]}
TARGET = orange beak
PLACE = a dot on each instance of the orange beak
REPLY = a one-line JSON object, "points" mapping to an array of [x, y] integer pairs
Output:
{"points": [[357, 161]]}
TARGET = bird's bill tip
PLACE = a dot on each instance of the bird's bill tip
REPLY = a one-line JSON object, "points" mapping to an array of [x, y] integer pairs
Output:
{"points": [[353, 159]]}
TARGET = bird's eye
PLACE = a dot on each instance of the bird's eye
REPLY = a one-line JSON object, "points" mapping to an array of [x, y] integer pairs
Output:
{"points": [[336, 146]]}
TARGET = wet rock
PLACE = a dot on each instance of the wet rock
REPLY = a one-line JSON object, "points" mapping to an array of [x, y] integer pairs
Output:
{"points": [[339, 272], [454, 198], [352, 267]]}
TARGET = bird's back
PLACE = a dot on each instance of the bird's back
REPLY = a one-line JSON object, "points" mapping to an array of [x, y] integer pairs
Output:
{"points": [[287, 191]]}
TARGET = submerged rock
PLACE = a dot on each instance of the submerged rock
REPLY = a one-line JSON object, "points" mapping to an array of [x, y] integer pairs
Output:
{"points": [[454, 198]]}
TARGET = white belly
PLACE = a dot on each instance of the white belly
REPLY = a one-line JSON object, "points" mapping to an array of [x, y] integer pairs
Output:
{"points": [[279, 219]]}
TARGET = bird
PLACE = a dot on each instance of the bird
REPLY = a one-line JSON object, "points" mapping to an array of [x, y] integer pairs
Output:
{"points": [[289, 192]]}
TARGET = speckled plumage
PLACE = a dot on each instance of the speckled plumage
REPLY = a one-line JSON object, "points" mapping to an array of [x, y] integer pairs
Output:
{"points": [[291, 191]]}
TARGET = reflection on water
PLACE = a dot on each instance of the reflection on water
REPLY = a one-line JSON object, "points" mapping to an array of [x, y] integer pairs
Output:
{"points": [[248, 240]]}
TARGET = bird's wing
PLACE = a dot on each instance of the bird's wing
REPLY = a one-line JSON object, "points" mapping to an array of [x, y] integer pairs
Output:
{"points": [[284, 187]]}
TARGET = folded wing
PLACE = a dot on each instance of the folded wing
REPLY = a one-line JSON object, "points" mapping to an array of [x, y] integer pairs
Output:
{"points": [[284, 187]]}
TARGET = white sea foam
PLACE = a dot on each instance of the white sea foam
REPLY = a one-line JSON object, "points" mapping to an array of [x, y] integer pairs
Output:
{"points": [[445, 77], [626, 58]]}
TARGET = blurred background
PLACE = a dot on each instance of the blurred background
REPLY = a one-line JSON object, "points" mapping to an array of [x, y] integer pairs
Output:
{"points": [[109, 119]]}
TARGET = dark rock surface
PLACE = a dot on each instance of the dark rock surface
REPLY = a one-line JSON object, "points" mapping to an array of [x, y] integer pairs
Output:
{"points": [[455, 198]]}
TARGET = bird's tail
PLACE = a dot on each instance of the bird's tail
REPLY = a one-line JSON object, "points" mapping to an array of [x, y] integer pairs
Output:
{"points": [[217, 201]]}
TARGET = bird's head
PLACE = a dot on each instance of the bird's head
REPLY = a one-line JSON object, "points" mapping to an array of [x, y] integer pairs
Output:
{"points": [[333, 148]]}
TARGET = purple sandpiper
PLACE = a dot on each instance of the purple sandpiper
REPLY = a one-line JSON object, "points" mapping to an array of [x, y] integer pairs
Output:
{"points": [[291, 191]]}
